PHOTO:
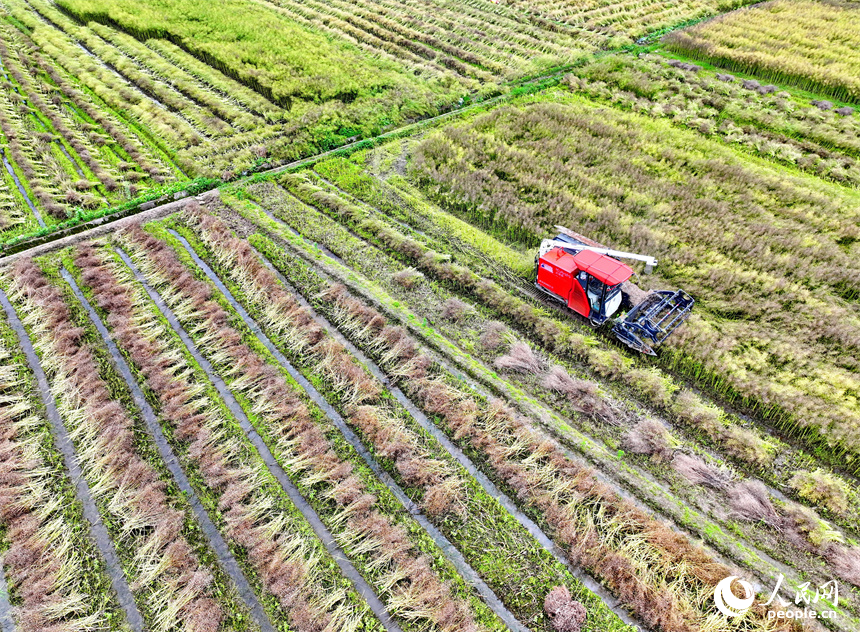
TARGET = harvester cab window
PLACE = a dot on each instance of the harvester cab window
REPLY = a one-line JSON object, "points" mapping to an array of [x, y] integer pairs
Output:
{"points": [[596, 290]]}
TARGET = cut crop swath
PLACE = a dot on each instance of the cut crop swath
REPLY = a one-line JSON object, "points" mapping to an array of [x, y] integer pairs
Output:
{"points": [[166, 575], [291, 566], [302, 444], [51, 565]]}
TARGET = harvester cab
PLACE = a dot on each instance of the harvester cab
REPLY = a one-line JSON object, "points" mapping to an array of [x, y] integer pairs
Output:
{"points": [[589, 280]]}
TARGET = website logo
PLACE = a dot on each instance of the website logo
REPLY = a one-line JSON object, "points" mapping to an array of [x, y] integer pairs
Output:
{"points": [[730, 604], [824, 598]]}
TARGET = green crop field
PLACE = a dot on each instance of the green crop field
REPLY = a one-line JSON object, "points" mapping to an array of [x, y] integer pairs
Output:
{"points": [[273, 355]]}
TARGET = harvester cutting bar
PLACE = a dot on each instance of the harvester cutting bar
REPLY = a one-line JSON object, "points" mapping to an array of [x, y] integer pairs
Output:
{"points": [[650, 322]]}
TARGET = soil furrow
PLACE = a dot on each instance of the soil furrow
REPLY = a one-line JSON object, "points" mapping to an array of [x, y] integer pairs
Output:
{"points": [[7, 622]]}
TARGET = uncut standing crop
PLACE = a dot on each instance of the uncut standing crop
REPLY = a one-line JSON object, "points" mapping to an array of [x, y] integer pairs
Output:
{"points": [[813, 45], [755, 247]]}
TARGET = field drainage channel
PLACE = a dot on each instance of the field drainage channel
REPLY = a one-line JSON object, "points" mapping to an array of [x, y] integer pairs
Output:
{"points": [[21, 189], [421, 419], [453, 555], [7, 622], [225, 557], [321, 531], [64, 444]]}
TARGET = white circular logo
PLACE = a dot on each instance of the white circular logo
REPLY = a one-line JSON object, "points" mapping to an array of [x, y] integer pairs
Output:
{"points": [[727, 602]]}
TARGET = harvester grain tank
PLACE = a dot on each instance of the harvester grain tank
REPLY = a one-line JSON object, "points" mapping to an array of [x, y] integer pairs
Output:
{"points": [[589, 280]]}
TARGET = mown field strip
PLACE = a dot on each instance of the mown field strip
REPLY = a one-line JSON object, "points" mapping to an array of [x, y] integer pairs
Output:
{"points": [[757, 560], [269, 536], [268, 458], [21, 190], [511, 560], [434, 431], [225, 558], [7, 621], [447, 547], [63, 443]]}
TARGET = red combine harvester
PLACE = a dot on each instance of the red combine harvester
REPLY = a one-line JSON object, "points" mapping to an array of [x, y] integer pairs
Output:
{"points": [[589, 280]]}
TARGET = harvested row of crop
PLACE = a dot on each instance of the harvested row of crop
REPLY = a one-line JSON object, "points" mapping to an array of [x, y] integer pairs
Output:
{"points": [[166, 130], [52, 113], [51, 565], [358, 392], [163, 71], [402, 575], [167, 577], [130, 69], [815, 136], [813, 540], [520, 573], [658, 574], [12, 211], [354, 26], [35, 181], [221, 84], [133, 150], [814, 545], [628, 19], [256, 516], [510, 48]]}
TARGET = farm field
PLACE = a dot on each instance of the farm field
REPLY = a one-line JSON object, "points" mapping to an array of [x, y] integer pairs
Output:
{"points": [[807, 44], [111, 102], [272, 356]]}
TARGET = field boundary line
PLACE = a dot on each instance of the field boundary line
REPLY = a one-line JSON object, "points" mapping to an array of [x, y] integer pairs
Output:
{"points": [[107, 227]]}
